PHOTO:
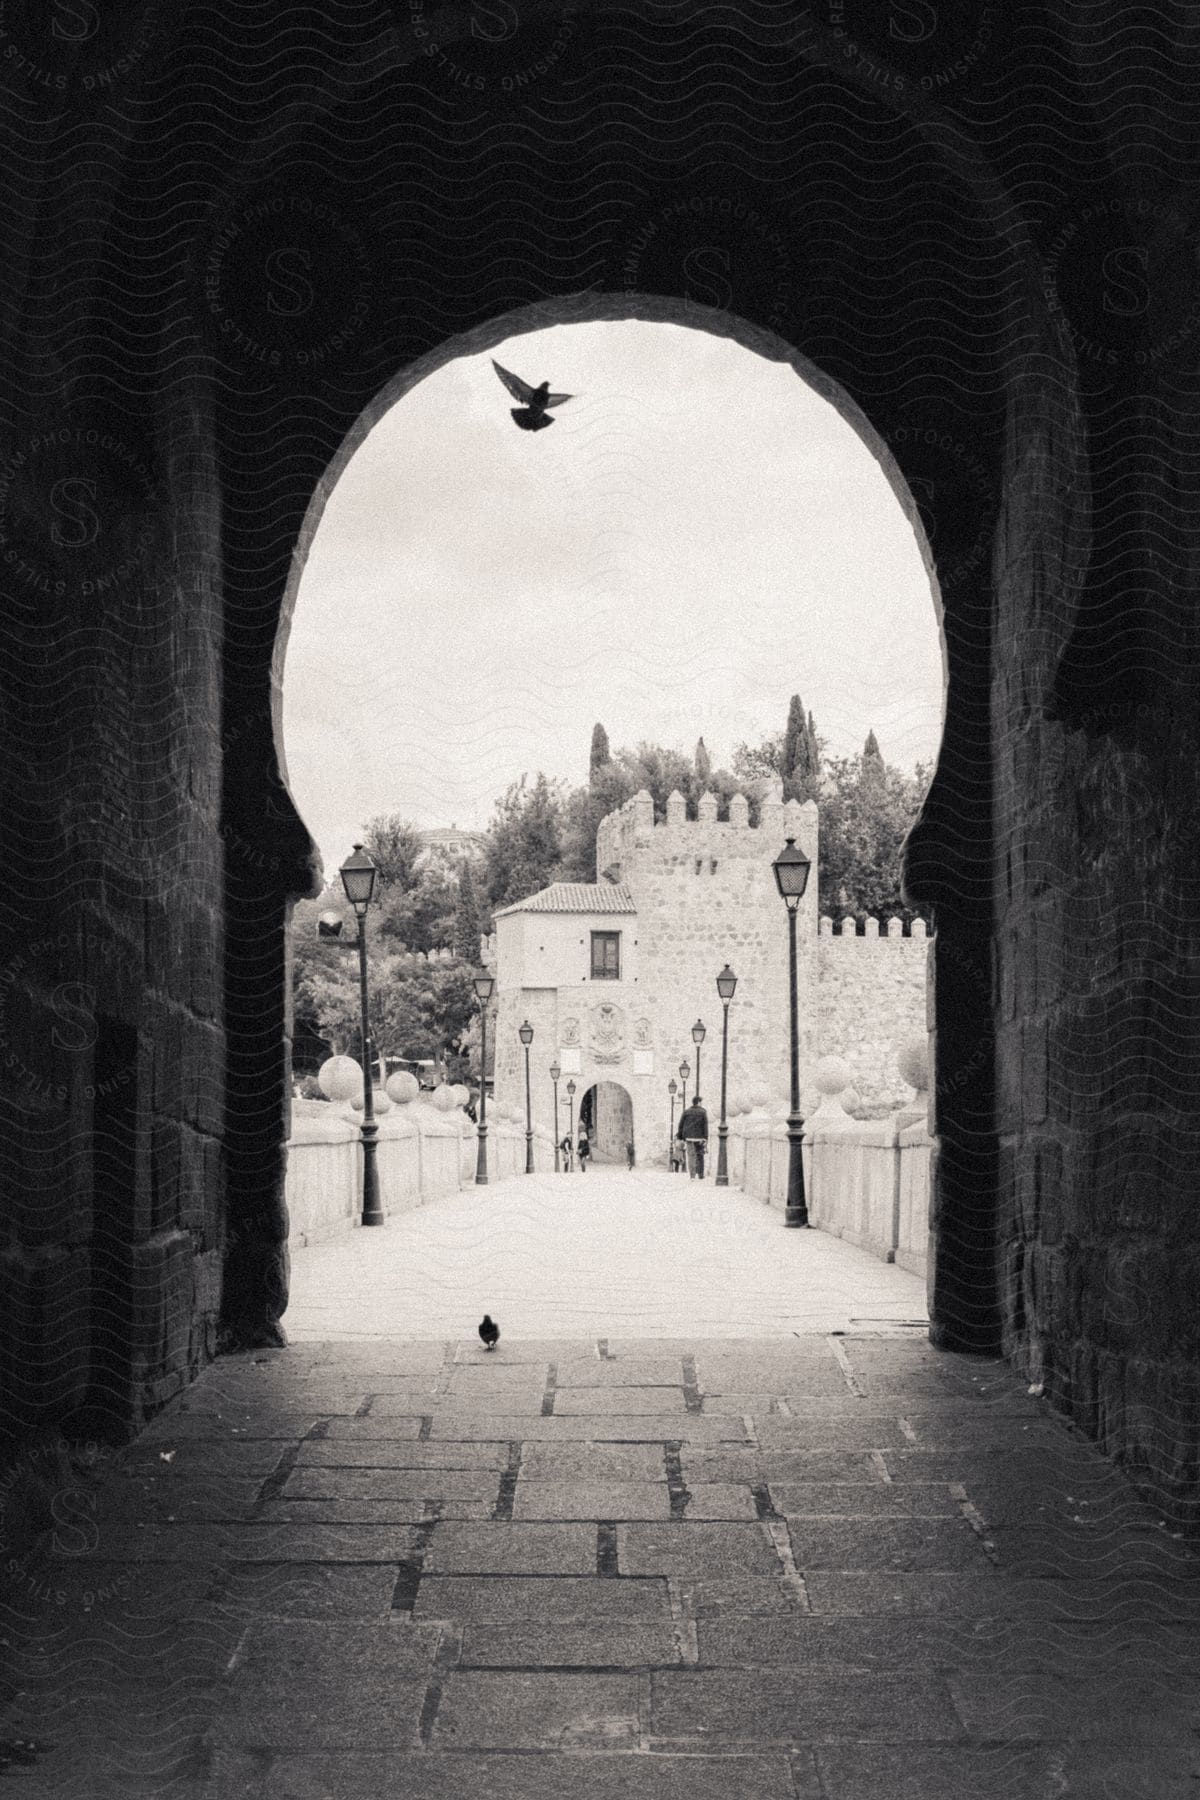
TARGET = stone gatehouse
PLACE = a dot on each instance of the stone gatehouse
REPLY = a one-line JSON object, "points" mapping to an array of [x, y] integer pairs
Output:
{"points": [[612, 975]]}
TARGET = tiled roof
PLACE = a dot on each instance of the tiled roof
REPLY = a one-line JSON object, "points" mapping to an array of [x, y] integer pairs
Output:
{"points": [[575, 897]]}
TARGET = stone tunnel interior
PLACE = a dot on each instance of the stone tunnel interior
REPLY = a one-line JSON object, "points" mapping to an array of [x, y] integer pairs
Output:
{"points": [[162, 388]]}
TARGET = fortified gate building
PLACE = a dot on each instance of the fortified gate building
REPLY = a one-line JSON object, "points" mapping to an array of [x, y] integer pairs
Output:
{"points": [[613, 974]]}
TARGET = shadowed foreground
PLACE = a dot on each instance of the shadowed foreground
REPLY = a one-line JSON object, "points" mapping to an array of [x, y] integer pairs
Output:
{"points": [[846, 1567]]}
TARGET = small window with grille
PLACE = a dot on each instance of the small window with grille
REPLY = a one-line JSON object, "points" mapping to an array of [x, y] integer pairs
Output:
{"points": [[606, 956]]}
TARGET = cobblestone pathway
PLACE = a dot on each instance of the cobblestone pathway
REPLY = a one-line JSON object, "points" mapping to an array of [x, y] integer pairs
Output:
{"points": [[818, 1567]]}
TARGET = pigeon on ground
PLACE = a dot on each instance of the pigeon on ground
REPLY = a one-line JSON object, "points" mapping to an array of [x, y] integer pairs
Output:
{"points": [[532, 413], [489, 1331]]}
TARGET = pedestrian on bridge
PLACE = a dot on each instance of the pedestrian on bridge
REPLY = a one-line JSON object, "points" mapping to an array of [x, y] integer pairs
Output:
{"points": [[693, 1133]]}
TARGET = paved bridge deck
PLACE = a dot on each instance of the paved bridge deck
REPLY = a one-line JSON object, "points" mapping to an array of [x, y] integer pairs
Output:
{"points": [[641, 1254], [624, 1567]]}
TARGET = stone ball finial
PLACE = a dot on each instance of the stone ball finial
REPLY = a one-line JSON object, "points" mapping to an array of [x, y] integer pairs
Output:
{"points": [[403, 1087], [832, 1074], [913, 1063], [461, 1092], [443, 1098], [340, 1078]]}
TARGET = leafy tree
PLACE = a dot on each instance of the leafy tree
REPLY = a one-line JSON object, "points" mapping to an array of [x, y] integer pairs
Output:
{"points": [[394, 846], [584, 808], [523, 849], [867, 811], [872, 756], [600, 751]]}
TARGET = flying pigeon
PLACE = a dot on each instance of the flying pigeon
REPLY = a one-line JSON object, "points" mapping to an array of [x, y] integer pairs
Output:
{"points": [[489, 1331], [532, 413]]}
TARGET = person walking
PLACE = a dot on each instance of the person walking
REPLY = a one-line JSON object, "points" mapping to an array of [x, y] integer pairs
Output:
{"points": [[629, 1152], [565, 1147], [584, 1149], [693, 1134]]}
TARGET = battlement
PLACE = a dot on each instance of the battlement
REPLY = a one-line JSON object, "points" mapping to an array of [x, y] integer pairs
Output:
{"points": [[848, 928], [632, 828]]}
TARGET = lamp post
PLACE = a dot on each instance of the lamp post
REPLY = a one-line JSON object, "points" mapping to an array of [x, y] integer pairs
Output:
{"points": [[672, 1089], [791, 877], [685, 1070], [570, 1120], [726, 983], [525, 1033], [483, 985], [698, 1036], [358, 874], [555, 1072]]}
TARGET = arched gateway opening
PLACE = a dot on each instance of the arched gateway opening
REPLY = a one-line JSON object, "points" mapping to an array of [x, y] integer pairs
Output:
{"points": [[679, 886], [606, 1113]]}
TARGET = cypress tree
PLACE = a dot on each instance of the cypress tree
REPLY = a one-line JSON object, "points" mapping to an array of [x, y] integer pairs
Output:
{"points": [[600, 751], [466, 917], [703, 764]]}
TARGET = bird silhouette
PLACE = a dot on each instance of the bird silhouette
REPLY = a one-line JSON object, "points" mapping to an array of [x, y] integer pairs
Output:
{"points": [[532, 414], [489, 1331]]}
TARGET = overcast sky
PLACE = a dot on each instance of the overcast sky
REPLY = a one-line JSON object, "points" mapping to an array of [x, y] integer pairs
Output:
{"points": [[697, 537]]}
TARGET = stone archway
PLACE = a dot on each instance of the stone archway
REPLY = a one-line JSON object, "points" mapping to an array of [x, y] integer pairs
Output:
{"points": [[937, 870], [609, 1107]]}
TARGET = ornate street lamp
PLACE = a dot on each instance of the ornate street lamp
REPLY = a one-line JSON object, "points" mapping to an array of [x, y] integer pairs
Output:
{"points": [[570, 1120], [726, 983], [483, 985], [525, 1033], [698, 1036], [672, 1089], [555, 1072], [685, 1070], [358, 875], [791, 877]]}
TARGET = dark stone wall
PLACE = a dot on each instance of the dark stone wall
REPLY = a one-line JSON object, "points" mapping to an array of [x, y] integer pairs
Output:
{"points": [[237, 237]]}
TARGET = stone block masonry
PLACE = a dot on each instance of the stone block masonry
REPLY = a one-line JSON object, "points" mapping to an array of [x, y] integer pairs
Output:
{"points": [[871, 1000]]}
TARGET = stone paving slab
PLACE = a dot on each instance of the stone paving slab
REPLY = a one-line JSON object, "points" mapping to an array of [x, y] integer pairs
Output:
{"points": [[545, 1710], [714, 1500], [848, 1431], [863, 1500], [742, 1597], [352, 1510], [358, 1431], [691, 1550], [620, 1372], [795, 1466], [308, 1591], [796, 1706], [592, 1500], [519, 1549], [306, 1483], [619, 1428], [882, 1595], [625, 1400], [942, 1545], [331, 1684], [809, 1641], [514, 1776], [602, 1643], [1003, 1772], [549, 1600], [408, 1454], [592, 1462]]}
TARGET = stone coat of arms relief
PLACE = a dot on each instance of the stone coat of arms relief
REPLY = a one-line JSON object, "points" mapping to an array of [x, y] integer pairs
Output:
{"points": [[607, 1034]]}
